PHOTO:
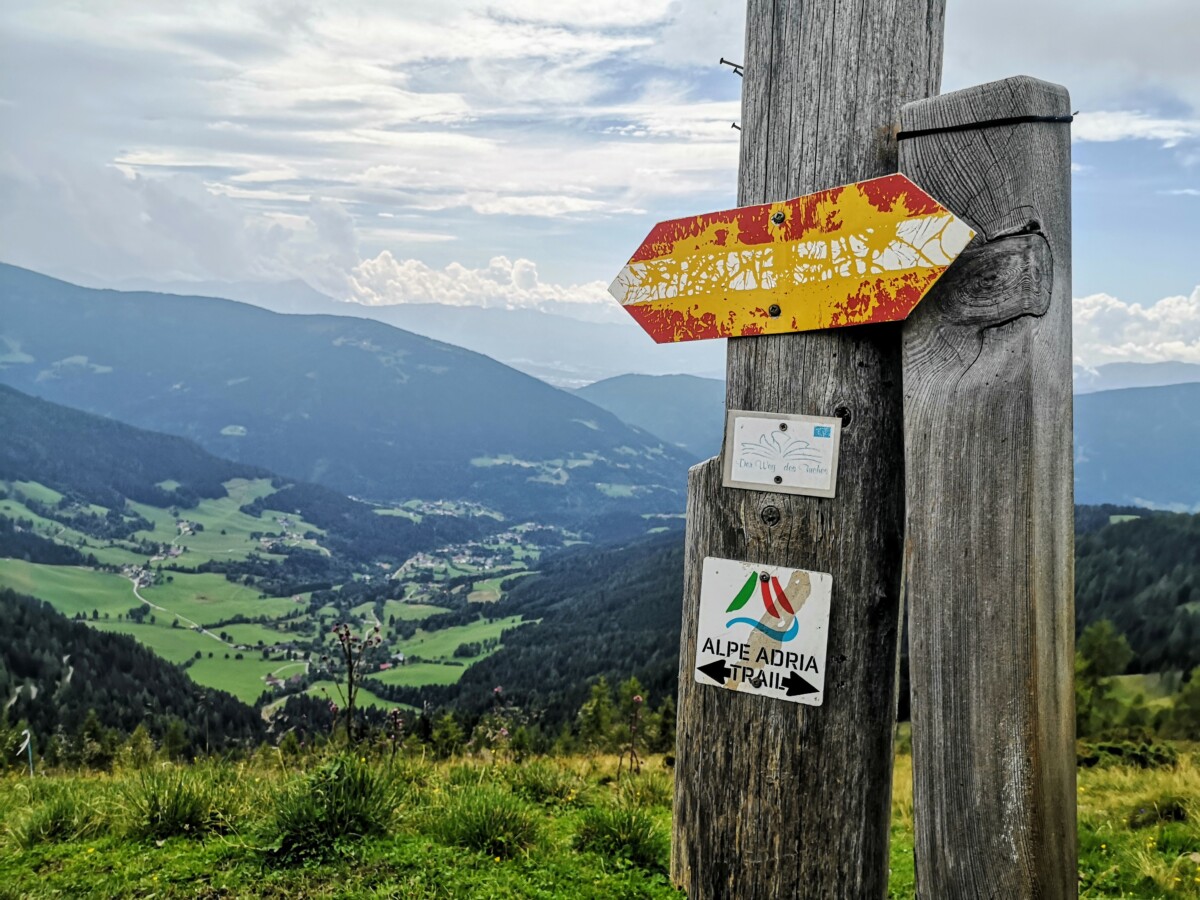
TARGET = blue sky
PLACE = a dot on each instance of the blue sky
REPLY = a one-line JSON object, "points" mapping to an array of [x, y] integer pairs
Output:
{"points": [[514, 153]]}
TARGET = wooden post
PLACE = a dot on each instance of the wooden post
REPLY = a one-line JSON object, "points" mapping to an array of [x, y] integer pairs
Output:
{"points": [[777, 799], [989, 554]]}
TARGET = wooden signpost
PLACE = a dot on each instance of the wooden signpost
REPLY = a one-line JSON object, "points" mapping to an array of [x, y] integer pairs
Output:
{"points": [[776, 799], [792, 583], [988, 457]]}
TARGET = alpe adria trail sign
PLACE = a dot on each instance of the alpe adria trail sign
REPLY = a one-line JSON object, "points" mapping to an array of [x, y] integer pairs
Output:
{"points": [[852, 255], [865, 469]]}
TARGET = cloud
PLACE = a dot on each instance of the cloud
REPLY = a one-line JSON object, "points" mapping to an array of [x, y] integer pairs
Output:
{"points": [[1110, 55], [1109, 330], [387, 152], [1125, 125], [509, 284]]}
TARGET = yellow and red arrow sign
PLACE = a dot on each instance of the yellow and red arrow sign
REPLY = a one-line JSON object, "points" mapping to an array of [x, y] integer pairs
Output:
{"points": [[852, 255]]}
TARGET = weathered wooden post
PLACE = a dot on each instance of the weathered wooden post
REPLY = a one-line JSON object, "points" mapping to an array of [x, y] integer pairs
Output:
{"points": [[989, 554], [777, 799]]}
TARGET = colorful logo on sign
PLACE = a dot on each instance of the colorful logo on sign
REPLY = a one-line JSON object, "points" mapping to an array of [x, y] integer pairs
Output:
{"points": [[768, 585]]}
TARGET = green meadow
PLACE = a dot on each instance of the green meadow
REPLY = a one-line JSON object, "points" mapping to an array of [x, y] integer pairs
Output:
{"points": [[208, 597], [184, 605], [442, 644], [475, 826], [419, 673], [364, 698], [70, 589]]}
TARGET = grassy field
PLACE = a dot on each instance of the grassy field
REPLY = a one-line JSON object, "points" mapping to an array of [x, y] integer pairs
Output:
{"points": [[364, 698], [244, 678], [172, 644], [226, 533], [208, 598], [1156, 689], [205, 600], [488, 590], [417, 674], [410, 611], [39, 493], [441, 644], [106, 552], [547, 828], [69, 589], [222, 670]]}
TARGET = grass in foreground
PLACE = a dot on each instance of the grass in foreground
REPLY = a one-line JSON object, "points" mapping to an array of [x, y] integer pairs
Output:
{"points": [[361, 826]]}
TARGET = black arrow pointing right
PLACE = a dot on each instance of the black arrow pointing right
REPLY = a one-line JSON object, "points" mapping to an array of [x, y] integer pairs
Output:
{"points": [[716, 670], [796, 685]]}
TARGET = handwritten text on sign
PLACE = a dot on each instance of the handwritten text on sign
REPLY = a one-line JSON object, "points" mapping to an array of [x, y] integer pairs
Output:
{"points": [[782, 453], [763, 630]]}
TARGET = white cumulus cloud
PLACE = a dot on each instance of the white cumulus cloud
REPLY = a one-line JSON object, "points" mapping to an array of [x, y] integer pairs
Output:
{"points": [[504, 283], [1125, 125], [1110, 330]]}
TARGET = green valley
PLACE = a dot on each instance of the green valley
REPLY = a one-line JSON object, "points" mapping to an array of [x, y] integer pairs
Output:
{"points": [[237, 576]]}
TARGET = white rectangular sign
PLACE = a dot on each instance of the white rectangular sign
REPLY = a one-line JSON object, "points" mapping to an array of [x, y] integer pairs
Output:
{"points": [[786, 454], [763, 630]]}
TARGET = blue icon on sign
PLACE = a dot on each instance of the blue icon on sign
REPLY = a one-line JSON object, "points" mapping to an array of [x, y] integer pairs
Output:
{"points": [[822, 431]]}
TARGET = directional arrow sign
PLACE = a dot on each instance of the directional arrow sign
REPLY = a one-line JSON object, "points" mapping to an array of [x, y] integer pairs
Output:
{"points": [[763, 630], [795, 685], [852, 255], [716, 670]]}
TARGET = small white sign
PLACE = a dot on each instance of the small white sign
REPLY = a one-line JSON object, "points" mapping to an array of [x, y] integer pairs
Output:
{"points": [[763, 630], [782, 453]]}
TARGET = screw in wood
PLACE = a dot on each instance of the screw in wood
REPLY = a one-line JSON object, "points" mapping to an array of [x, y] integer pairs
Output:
{"points": [[771, 517], [774, 310]]}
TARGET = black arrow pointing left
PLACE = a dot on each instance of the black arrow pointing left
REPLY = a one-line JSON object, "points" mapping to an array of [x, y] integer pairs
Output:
{"points": [[716, 670]]}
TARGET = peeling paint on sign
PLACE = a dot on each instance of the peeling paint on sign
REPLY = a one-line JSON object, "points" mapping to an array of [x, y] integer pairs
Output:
{"points": [[852, 255]]}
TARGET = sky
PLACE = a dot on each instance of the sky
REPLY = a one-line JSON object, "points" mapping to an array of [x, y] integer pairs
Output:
{"points": [[515, 153]]}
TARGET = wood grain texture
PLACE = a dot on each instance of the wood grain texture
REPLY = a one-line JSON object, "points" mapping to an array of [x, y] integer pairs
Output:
{"points": [[777, 799], [989, 552]]}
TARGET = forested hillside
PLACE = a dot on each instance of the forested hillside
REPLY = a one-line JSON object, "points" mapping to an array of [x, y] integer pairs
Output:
{"points": [[103, 461], [1143, 575], [93, 461], [612, 612], [352, 404], [54, 672], [615, 612]]}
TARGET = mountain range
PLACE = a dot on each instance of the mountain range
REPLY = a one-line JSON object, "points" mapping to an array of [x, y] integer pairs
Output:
{"points": [[353, 404], [380, 412], [1116, 376], [1132, 446], [560, 349], [683, 409]]}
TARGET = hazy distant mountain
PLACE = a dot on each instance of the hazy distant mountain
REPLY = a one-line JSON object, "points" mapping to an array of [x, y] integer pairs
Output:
{"points": [[293, 296], [1139, 446], [564, 351], [681, 409], [97, 460], [1115, 376], [350, 403]]}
